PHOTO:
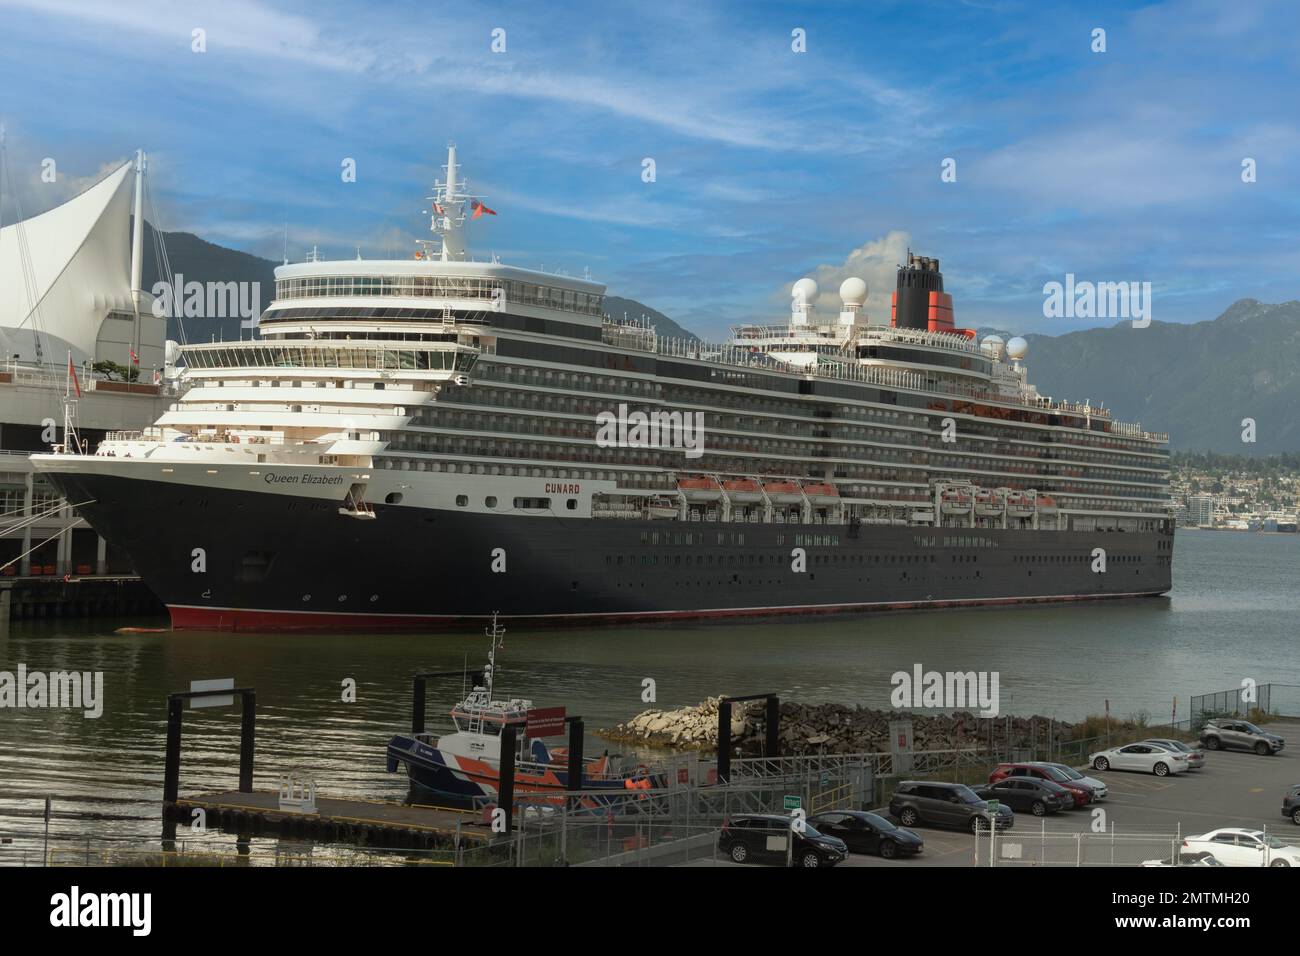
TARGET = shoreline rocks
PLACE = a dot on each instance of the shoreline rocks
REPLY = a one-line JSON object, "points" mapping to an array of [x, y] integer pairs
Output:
{"points": [[829, 728]]}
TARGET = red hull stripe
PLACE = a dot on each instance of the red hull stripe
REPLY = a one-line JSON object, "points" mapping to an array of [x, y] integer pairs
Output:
{"points": [[191, 618]]}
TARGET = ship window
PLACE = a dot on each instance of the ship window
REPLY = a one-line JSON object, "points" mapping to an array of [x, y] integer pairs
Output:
{"points": [[462, 501], [490, 501]]}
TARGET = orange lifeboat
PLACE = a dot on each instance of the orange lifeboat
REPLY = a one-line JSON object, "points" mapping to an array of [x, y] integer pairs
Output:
{"points": [[1020, 505], [784, 491], [699, 488], [955, 503], [821, 492], [743, 489]]}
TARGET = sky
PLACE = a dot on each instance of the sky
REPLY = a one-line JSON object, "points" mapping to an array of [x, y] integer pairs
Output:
{"points": [[770, 162]]}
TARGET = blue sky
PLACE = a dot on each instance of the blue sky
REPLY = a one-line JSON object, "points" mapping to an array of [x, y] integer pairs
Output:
{"points": [[771, 164]]}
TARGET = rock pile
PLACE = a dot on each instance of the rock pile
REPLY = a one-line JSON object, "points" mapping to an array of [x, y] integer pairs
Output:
{"points": [[828, 728]]}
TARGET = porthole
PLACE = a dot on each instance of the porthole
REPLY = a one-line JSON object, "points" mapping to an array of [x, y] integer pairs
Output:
{"points": [[462, 501], [306, 597], [490, 501]]}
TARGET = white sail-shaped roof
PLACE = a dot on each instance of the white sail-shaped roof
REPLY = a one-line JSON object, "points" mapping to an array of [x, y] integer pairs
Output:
{"points": [[75, 262]]}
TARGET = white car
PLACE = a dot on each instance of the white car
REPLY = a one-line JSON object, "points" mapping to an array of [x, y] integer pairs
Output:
{"points": [[1149, 758], [1187, 858], [1238, 847]]}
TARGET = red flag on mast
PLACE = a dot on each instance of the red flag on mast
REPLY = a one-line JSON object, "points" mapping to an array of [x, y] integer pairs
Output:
{"points": [[72, 372], [479, 209]]}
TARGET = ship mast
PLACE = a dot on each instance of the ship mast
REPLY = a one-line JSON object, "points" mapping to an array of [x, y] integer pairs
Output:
{"points": [[495, 632], [447, 220]]}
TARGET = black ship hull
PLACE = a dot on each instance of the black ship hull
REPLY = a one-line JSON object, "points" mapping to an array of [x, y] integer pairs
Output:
{"points": [[271, 562]]}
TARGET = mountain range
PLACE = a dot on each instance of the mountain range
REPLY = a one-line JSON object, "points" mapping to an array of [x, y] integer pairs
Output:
{"points": [[1196, 381]]}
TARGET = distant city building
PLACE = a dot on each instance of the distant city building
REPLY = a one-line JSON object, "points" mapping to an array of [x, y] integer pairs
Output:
{"points": [[1200, 510]]}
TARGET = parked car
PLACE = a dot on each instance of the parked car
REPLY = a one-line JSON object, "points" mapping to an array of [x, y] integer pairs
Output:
{"points": [[1239, 847], [1148, 758], [945, 804], [762, 838], [1291, 804], [1187, 858], [866, 832], [1039, 797], [1231, 734], [1099, 790], [1195, 755], [1081, 793]]}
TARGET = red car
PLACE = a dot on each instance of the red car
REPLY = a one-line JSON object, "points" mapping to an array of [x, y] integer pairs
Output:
{"points": [[1082, 794]]}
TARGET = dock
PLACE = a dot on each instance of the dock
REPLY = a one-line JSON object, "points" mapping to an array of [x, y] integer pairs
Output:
{"points": [[37, 597], [353, 821]]}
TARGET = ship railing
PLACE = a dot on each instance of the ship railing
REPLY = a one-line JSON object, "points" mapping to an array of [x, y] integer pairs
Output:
{"points": [[947, 340], [329, 354]]}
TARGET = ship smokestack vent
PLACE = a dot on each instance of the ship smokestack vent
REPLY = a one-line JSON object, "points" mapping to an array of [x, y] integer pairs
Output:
{"points": [[919, 301]]}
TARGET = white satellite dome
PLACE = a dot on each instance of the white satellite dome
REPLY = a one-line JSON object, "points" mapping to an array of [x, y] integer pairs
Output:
{"points": [[992, 345], [172, 352], [1017, 348], [853, 291], [805, 291]]}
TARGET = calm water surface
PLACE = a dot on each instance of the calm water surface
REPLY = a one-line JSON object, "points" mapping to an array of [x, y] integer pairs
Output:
{"points": [[1233, 613]]}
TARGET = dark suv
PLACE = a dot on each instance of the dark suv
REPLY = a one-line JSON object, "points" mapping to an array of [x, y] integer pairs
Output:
{"points": [[945, 804], [1291, 804], [761, 838]]}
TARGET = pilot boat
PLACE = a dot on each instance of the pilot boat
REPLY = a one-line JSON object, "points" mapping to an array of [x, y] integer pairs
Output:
{"points": [[463, 767]]}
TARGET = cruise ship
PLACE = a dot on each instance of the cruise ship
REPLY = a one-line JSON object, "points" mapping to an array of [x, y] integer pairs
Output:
{"points": [[414, 443]]}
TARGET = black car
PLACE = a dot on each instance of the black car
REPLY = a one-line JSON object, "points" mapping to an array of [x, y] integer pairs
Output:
{"points": [[1032, 794], [868, 833], [1291, 804], [762, 837]]}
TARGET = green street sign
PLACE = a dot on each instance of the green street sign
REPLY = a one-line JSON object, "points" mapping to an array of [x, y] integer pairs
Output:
{"points": [[792, 803], [993, 806]]}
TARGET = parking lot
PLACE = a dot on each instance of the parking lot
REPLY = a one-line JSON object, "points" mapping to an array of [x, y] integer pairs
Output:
{"points": [[1144, 814], [1233, 790]]}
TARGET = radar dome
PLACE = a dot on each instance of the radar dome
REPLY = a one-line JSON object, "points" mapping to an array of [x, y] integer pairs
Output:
{"points": [[172, 352], [853, 291], [804, 292], [1017, 348], [992, 345]]}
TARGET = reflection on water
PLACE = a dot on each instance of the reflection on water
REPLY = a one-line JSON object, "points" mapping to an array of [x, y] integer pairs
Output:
{"points": [[1232, 615]]}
